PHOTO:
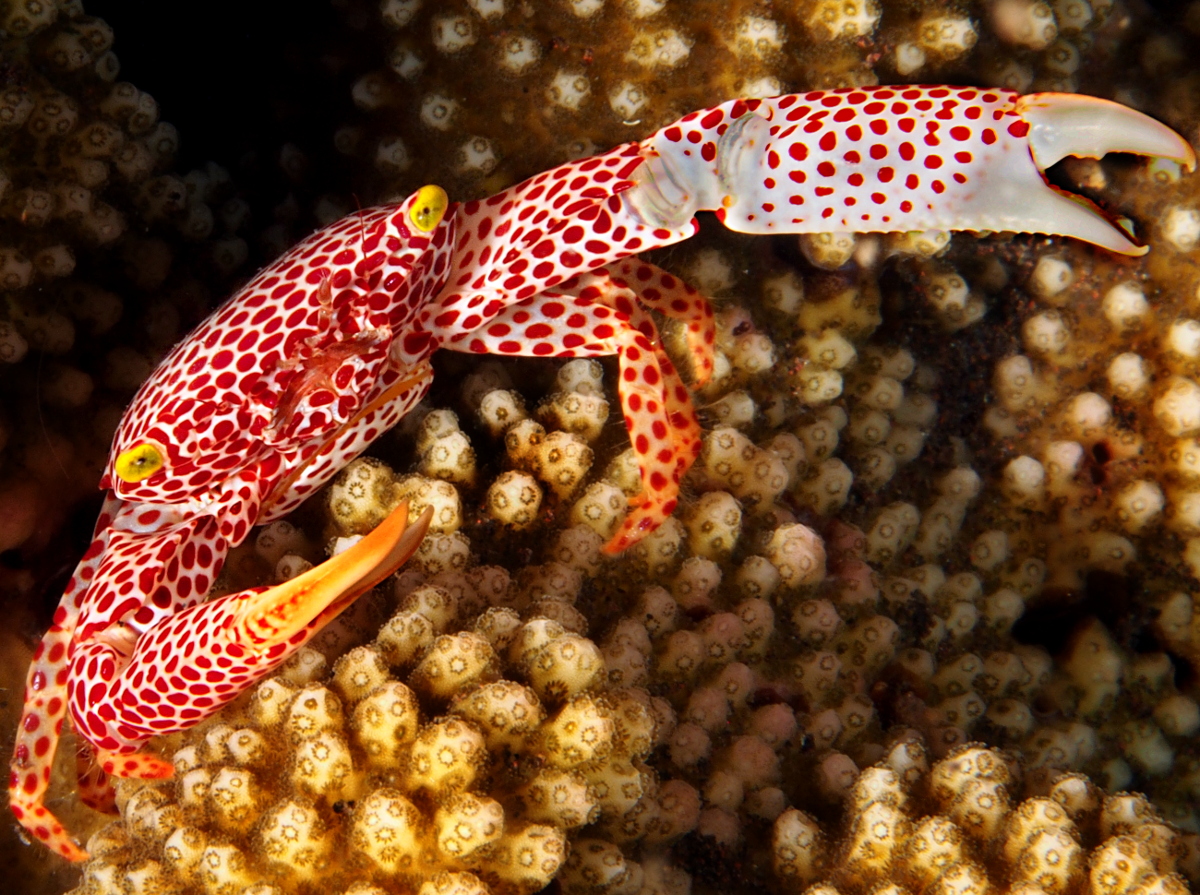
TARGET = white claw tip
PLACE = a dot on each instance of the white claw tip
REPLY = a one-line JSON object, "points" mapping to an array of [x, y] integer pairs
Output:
{"points": [[1189, 161], [1065, 124]]}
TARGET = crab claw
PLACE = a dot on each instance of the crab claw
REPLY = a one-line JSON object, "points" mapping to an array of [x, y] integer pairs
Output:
{"points": [[1063, 124], [309, 601], [893, 159]]}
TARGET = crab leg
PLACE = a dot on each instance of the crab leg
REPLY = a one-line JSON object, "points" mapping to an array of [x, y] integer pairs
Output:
{"points": [[94, 786], [531, 237], [46, 704], [664, 292], [892, 159], [595, 314]]}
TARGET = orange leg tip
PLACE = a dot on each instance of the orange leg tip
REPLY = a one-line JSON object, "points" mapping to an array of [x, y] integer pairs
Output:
{"points": [[55, 838], [72, 852], [640, 522]]}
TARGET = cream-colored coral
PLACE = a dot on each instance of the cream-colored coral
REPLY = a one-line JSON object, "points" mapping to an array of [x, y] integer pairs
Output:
{"points": [[956, 830]]}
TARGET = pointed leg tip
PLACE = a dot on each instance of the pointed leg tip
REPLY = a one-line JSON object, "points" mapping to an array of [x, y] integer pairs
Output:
{"points": [[268, 616], [643, 519], [622, 540]]}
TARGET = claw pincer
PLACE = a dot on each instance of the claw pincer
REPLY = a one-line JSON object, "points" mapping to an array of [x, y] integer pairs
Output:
{"points": [[329, 346]]}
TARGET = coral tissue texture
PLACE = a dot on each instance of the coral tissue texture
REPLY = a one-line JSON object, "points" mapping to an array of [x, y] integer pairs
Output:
{"points": [[925, 620]]}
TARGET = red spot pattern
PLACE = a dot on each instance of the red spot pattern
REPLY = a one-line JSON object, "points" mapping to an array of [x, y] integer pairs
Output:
{"points": [[328, 347], [918, 129]]}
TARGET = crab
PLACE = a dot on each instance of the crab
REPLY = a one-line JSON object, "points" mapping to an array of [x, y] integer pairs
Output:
{"points": [[330, 346]]}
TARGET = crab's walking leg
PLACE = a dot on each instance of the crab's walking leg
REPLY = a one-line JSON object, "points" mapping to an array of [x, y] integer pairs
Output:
{"points": [[666, 442], [533, 236], [46, 705], [892, 159], [94, 786], [136, 571], [207, 654], [670, 296], [594, 315]]}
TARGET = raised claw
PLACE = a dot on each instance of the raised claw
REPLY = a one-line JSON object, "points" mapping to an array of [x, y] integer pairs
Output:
{"points": [[1065, 124], [889, 159]]}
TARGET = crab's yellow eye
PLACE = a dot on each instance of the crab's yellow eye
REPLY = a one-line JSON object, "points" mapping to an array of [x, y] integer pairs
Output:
{"points": [[428, 208], [138, 463]]}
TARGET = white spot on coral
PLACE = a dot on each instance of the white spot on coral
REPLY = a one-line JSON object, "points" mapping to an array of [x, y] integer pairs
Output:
{"points": [[585, 9], [488, 9], [1178, 408], [833, 19], [627, 99], [437, 111], [761, 87], [452, 34], [1051, 276], [659, 49], [477, 156], [392, 155], [406, 62], [1028, 23], [1183, 337], [1127, 376], [398, 13], [1181, 227], [1073, 15], [569, 89], [910, 58], [641, 9], [947, 36], [519, 53], [1125, 305], [757, 36]]}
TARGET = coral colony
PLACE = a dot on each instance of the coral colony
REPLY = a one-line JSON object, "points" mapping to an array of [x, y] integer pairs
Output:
{"points": [[831, 667]]}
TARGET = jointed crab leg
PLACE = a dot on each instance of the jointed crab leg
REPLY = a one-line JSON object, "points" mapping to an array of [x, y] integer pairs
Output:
{"points": [[46, 705], [596, 314], [274, 622], [248, 634]]}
